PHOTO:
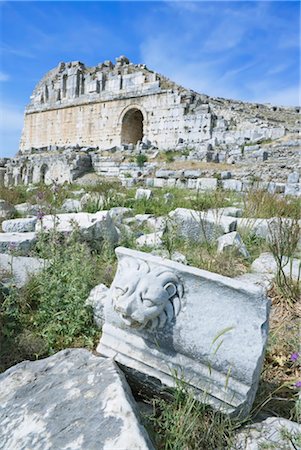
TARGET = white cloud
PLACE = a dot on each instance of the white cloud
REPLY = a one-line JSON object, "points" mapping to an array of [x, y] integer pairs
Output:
{"points": [[4, 76], [289, 96], [11, 123]]}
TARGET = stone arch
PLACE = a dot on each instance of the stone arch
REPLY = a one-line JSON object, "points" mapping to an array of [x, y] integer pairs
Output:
{"points": [[43, 171], [132, 123]]}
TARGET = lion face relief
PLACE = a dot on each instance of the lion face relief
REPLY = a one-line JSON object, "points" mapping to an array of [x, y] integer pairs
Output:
{"points": [[147, 298]]}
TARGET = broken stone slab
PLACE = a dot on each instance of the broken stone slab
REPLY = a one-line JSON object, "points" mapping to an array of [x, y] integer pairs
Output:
{"points": [[162, 318], [266, 264], [91, 226], [293, 177], [118, 213], [272, 433], [7, 210], [232, 241], [150, 240], [202, 226], [232, 185], [157, 223], [143, 194], [71, 400], [19, 225], [231, 211], [17, 243], [21, 268]]}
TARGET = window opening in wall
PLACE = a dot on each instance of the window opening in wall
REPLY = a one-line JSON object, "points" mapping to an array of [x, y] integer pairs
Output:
{"points": [[65, 85]]}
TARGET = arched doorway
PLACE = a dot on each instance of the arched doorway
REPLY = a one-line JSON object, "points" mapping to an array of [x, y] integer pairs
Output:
{"points": [[43, 171], [132, 127]]}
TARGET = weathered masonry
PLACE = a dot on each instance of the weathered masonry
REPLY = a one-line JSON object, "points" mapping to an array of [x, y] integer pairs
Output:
{"points": [[110, 105]]}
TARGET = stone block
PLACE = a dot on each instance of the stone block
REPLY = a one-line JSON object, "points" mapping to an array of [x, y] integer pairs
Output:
{"points": [[232, 185], [266, 264], [192, 173], [162, 318], [71, 400], [226, 175], [293, 189], [206, 184], [91, 226], [21, 268], [165, 173], [19, 225], [143, 194], [201, 226], [20, 243], [232, 241], [160, 182]]}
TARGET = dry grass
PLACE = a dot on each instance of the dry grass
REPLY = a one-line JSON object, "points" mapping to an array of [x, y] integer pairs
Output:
{"points": [[183, 165], [277, 393]]}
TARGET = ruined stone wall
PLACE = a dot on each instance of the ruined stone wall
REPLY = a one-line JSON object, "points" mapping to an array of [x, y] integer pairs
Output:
{"points": [[100, 124]]}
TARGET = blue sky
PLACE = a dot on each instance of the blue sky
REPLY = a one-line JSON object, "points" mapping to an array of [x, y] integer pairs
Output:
{"points": [[242, 50]]}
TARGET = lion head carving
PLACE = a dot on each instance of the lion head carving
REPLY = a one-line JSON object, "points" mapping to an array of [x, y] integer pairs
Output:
{"points": [[145, 297]]}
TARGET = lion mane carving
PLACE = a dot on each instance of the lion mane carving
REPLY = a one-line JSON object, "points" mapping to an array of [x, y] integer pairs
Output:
{"points": [[146, 297]]}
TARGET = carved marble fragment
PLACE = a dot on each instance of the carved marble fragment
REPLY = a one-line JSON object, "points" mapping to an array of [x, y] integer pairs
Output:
{"points": [[162, 317]]}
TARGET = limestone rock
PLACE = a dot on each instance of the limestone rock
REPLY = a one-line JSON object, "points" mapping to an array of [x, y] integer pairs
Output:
{"points": [[232, 241], [206, 184], [162, 317], [20, 243], [7, 210], [21, 267], [272, 434], [118, 213], [201, 226], [143, 194], [19, 225], [71, 400]]}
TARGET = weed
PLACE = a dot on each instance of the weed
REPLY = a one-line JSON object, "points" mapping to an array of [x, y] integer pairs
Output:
{"points": [[141, 159]]}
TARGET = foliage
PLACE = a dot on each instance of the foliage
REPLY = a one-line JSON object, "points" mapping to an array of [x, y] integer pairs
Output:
{"points": [[283, 239], [141, 159], [185, 423], [263, 204]]}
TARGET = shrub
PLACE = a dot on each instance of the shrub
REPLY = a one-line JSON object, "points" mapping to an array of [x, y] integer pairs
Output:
{"points": [[141, 159]]}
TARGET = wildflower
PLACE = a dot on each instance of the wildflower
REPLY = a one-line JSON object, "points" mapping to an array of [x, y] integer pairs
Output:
{"points": [[40, 195], [298, 384], [295, 356], [12, 246], [40, 215]]}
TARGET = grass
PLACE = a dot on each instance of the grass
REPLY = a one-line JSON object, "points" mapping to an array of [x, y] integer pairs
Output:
{"points": [[264, 205]]}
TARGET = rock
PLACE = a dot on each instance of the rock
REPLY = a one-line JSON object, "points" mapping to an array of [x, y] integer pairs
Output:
{"points": [[162, 317], [272, 433], [21, 268], [232, 241], [26, 209], [118, 213], [91, 226], [150, 240], [206, 184], [201, 226], [17, 243], [266, 264], [168, 197], [143, 194], [7, 211], [19, 225], [293, 177], [71, 205], [157, 223], [96, 300], [71, 400]]}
